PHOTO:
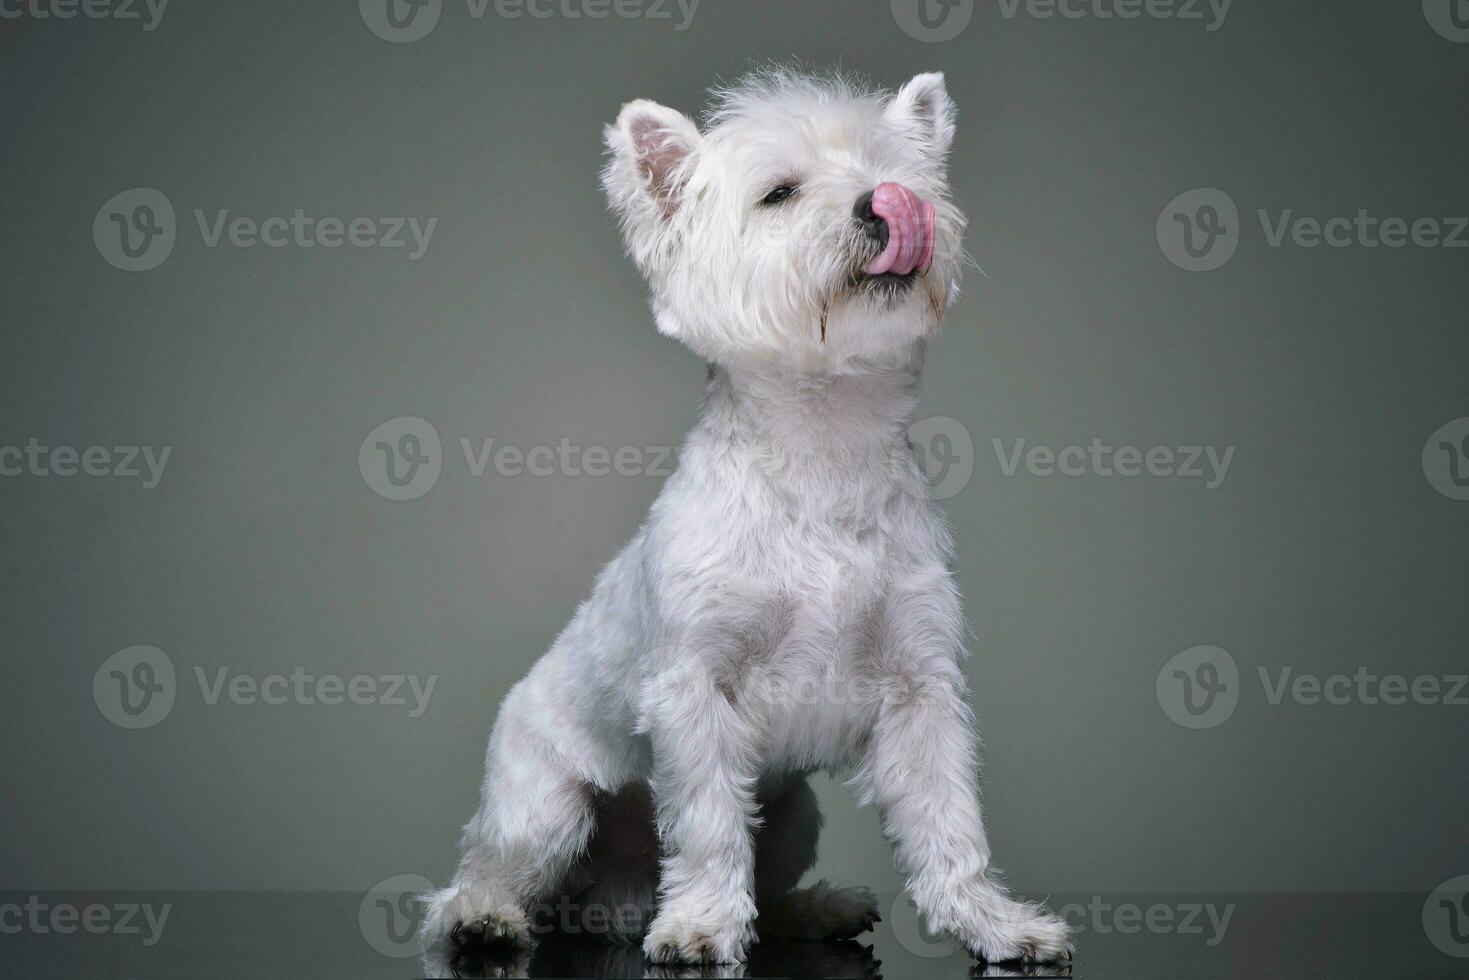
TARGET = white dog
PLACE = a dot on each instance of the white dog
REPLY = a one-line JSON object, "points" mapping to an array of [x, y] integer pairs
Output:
{"points": [[789, 605]]}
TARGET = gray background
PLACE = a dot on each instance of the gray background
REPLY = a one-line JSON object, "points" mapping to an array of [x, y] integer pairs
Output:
{"points": [[264, 549]]}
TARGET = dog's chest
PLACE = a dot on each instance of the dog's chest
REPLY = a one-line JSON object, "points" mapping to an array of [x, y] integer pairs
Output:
{"points": [[810, 689], [810, 633]]}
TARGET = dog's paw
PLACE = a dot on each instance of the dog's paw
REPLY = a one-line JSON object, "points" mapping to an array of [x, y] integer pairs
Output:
{"points": [[470, 916], [1017, 932], [821, 912], [505, 928], [676, 939]]}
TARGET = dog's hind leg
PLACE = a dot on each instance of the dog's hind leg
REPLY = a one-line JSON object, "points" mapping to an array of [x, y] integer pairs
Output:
{"points": [[785, 849], [536, 813]]}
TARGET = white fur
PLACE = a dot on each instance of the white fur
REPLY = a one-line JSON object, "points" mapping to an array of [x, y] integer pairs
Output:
{"points": [[789, 604]]}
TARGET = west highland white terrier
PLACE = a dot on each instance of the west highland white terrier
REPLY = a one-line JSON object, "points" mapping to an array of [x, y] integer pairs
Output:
{"points": [[789, 605]]}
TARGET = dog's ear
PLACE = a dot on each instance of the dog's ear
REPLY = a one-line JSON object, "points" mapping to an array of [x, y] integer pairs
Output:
{"points": [[650, 147], [923, 109]]}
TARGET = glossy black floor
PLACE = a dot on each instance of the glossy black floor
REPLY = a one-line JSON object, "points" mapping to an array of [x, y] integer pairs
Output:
{"points": [[235, 934]]}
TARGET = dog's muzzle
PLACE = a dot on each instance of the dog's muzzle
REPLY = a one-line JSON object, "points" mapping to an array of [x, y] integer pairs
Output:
{"points": [[903, 224]]}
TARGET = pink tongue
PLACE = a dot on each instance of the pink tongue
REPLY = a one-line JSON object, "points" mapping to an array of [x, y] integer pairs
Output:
{"points": [[910, 231]]}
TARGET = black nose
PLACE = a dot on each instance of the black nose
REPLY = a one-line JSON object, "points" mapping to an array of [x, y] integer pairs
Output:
{"points": [[876, 228]]}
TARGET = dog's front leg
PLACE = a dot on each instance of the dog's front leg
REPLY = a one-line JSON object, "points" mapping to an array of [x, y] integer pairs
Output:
{"points": [[922, 769], [704, 788]]}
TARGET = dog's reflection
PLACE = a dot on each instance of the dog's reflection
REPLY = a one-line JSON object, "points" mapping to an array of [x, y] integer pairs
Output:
{"points": [[1021, 970], [560, 957]]}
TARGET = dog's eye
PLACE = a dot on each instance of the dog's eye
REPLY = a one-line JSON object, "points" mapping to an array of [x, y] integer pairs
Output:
{"points": [[781, 193]]}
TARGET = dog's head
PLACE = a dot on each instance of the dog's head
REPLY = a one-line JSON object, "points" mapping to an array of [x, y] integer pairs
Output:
{"points": [[808, 222]]}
